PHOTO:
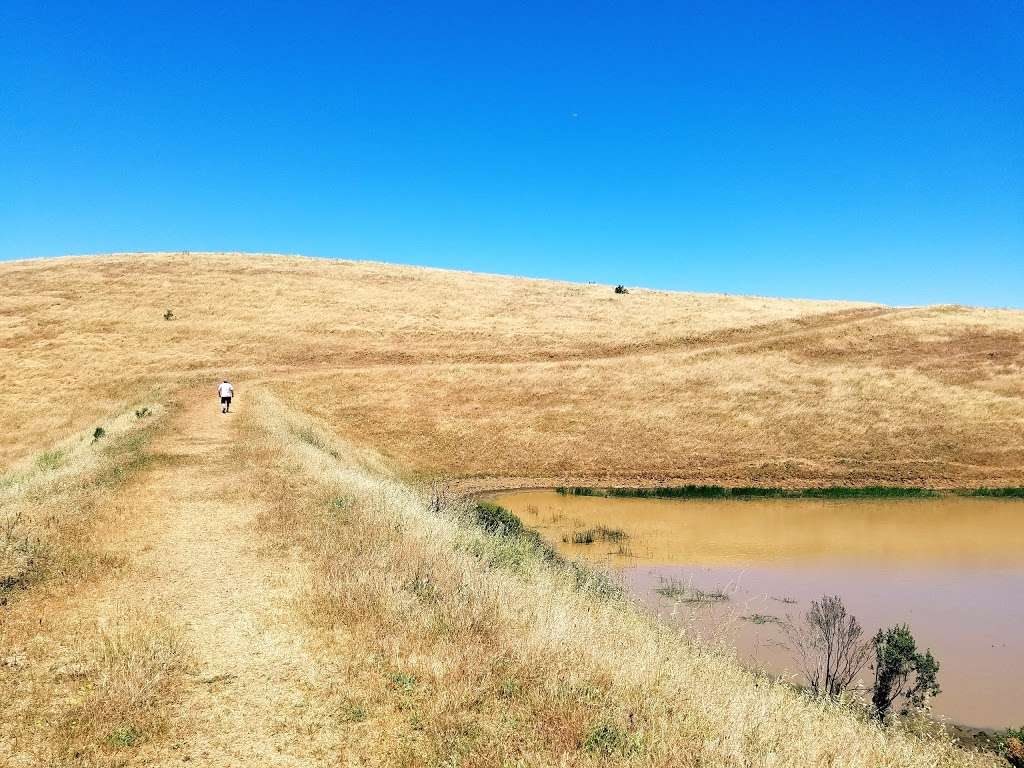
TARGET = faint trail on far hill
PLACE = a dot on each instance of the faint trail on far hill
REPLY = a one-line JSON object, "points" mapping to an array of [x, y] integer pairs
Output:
{"points": [[258, 695], [756, 338]]}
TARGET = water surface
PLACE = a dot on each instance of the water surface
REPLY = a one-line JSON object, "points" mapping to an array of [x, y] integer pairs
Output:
{"points": [[952, 568]]}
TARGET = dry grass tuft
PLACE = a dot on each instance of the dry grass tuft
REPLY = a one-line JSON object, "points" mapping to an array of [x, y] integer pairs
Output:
{"points": [[129, 669]]}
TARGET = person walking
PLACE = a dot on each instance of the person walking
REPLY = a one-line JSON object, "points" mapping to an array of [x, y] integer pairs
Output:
{"points": [[226, 392]]}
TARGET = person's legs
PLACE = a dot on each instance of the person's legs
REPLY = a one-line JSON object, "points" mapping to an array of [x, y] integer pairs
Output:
{"points": [[223, 405], [227, 405]]}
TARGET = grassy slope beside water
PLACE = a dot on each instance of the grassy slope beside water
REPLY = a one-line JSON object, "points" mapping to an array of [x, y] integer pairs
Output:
{"points": [[481, 648]]}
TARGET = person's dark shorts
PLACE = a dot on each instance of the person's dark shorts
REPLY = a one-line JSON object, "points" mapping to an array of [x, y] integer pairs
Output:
{"points": [[225, 401]]}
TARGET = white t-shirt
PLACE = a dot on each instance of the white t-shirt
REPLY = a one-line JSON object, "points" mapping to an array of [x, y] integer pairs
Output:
{"points": [[226, 390]]}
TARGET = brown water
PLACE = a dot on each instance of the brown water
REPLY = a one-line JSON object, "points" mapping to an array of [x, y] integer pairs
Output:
{"points": [[952, 568]]}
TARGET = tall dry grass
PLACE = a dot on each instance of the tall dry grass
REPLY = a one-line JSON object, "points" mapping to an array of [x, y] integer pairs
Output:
{"points": [[78, 690], [475, 649], [508, 381], [127, 672], [89, 332], [87, 692], [752, 418], [48, 502]]}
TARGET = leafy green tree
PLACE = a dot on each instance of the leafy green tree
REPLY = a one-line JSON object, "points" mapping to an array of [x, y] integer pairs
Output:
{"points": [[901, 671]]}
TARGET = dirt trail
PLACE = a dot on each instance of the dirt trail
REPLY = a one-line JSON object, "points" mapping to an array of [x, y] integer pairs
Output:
{"points": [[258, 697], [750, 339]]}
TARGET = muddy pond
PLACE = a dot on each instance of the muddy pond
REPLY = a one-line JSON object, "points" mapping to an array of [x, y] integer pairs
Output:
{"points": [[952, 568]]}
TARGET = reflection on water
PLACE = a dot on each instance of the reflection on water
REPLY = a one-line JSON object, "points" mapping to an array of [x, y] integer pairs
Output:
{"points": [[952, 568]]}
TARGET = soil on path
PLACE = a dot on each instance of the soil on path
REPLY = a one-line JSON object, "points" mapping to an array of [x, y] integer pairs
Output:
{"points": [[258, 696]]}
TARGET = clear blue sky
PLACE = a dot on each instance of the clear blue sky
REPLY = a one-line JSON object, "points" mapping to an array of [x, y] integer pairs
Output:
{"points": [[870, 150]]}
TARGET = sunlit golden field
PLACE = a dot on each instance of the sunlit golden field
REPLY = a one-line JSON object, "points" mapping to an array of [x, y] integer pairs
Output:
{"points": [[508, 381], [303, 582]]}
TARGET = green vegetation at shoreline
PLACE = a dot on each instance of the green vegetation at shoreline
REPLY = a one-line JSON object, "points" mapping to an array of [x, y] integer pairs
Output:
{"points": [[754, 492], [523, 541], [999, 493]]}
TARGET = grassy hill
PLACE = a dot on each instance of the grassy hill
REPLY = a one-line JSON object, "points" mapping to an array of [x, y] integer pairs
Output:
{"points": [[297, 584], [506, 381]]}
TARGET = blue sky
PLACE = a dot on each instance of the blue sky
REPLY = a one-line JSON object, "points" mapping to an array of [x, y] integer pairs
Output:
{"points": [[867, 150]]}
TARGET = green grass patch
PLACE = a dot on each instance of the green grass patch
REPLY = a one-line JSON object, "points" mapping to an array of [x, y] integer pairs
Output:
{"points": [[608, 741], [600, 533], [124, 737], [754, 492], [352, 712], [315, 439], [687, 593], [519, 545], [580, 491], [404, 681], [49, 460], [762, 618], [494, 518], [998, 493]]}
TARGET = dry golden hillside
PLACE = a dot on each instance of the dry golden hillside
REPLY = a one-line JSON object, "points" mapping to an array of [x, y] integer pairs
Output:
{"points": [[277, 587], [510, 381]]}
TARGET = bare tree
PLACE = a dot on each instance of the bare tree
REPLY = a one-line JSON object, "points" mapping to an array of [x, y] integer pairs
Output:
{"points": [[830, 646]]}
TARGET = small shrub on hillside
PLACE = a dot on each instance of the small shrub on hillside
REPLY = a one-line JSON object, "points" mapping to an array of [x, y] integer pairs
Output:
{"points": [[496, 519], [98, 434], [403, 681], [352, 712], [609, 741], [169, 314], [499, 521], [142, 413], [124, 736], [621, 289], [1011, 746], [902, 672]]}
